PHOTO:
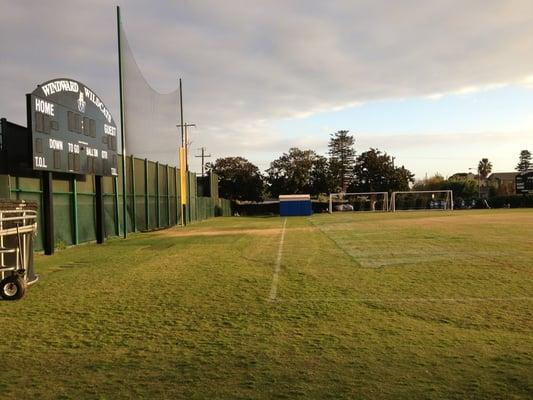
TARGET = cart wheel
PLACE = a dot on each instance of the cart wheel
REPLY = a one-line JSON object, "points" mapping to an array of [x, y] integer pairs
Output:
{"points": [[12, 288]]}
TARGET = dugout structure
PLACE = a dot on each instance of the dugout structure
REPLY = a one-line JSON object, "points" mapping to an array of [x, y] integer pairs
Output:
{"points": [[422, 200], [363, 201], [295, 205]]}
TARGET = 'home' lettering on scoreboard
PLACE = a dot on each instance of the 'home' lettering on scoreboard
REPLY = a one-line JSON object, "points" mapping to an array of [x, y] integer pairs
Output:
{"points": [[72, 130]]}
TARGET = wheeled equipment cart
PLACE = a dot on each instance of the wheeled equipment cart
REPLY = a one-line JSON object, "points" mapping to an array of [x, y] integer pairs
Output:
{"points": [[18, 227]]}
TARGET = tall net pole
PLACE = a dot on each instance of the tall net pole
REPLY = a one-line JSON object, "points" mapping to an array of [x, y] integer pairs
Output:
{"points": [[122, 133], [181, 117]]}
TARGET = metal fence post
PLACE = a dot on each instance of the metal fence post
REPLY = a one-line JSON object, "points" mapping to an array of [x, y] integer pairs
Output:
{"points": [[157, 205], [176, 193], [134, 207], [168, 197], [146, 197]]}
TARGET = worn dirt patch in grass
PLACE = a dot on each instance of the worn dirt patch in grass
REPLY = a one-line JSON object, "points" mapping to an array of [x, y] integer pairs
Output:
{"points": [[186, 233], [221, 232]]}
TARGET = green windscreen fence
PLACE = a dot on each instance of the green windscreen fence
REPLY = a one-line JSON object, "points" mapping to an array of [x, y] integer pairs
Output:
{"points": [[152, 201], [110, 222], [139, 188]]}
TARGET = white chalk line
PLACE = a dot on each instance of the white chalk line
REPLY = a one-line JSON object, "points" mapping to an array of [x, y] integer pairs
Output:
{"points": [[277, 266], [409, 300]]}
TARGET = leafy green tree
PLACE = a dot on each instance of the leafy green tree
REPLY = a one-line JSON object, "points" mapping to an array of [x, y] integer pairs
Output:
{"points": [[465, 189], [524, 161], [239, 179], [321, 178], [342, 158], [299, 172], [484, 168], [435, 182], [375, 172]]}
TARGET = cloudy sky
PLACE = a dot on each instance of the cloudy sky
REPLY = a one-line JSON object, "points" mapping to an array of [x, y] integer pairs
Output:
{"points": [[437, 84]]}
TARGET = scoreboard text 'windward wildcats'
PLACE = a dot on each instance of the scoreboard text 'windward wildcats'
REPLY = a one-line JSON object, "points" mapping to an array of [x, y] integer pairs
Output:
{"points": [[72, 130]]}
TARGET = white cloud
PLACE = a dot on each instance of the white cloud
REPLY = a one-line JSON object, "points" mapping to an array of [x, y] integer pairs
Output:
{"points": [[468, 90], [245, 64]]}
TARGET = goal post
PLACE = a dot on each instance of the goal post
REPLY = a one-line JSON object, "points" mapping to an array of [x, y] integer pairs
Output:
{"points": [[422, 200], [361, 201]]}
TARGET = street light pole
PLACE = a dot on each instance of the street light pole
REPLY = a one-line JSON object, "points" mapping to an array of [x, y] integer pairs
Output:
{"points": [[478, 182]]}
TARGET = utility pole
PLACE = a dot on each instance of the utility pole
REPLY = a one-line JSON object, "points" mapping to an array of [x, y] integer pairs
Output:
{"points": [[203, 156], [184, 162], [185, 141]]}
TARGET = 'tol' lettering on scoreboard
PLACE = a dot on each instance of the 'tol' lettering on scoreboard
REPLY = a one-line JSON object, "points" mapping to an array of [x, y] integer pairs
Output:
{"points": [[72, 130]]}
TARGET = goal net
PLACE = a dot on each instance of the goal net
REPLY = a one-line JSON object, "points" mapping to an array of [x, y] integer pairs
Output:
{"points": [[370, 201], [422, 200]]}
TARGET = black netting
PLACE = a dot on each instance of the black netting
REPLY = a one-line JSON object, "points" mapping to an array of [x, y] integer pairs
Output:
{"points": [[150, 118]]}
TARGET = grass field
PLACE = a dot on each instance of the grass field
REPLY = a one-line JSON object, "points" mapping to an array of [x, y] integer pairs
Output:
{"points": [[405, 305]]}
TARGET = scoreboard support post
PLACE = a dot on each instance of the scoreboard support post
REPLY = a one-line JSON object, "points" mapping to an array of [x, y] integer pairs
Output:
{"points": [[75, 228], [100, 234], [117, 212], [48, 213]]}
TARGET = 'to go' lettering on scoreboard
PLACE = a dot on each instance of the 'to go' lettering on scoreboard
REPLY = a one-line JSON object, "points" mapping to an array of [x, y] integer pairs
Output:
{"points": [[72, 130]]}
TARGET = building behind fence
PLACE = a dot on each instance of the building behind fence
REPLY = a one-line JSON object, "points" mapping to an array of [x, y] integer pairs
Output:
{"points": [[152, 200]]}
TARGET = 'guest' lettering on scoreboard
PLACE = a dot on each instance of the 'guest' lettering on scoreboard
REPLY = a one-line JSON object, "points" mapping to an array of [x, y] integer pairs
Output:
{"points": [[72, 130]]}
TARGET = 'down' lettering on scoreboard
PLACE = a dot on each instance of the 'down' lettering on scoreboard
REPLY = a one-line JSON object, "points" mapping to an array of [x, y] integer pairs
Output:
{"points": [[72, 130]]}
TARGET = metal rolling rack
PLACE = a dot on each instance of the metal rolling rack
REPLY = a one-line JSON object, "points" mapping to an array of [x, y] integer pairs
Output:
{"points": [[18, 225]]}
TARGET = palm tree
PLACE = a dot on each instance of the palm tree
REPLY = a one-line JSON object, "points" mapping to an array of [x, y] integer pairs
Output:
{"points": [[484, 168]]}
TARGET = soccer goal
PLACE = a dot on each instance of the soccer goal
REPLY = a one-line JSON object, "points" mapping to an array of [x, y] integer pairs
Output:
{"points": [[422, 200], [370, 201]]}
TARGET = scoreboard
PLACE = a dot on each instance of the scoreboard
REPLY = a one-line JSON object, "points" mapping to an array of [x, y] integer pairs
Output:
{"points": [[524, 182], [72, 131]]}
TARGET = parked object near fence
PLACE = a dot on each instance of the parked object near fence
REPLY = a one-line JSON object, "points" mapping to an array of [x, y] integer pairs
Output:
{"points": [[18, 226], [295, 204]]}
